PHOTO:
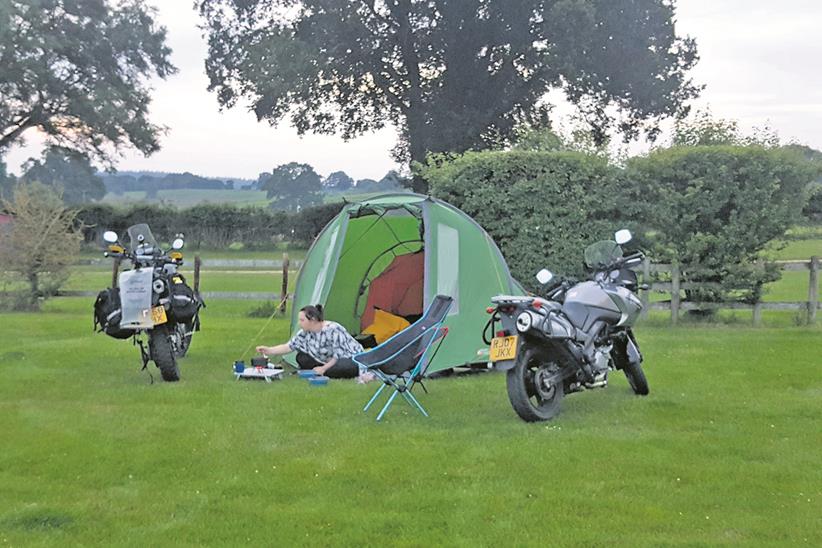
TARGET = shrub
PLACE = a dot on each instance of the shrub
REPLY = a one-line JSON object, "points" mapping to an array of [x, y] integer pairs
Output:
{"points": [[714, 208], [542, 208]]}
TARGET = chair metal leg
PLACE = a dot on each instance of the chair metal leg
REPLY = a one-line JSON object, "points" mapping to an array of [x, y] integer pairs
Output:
{"points": [[374, 397], [387, 405], [409, 397]]}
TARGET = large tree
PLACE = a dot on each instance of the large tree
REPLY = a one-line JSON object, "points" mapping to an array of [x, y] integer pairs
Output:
{"points": [[451, 75], [69, 173], [292, 186], [339, 181], [77, 71]]}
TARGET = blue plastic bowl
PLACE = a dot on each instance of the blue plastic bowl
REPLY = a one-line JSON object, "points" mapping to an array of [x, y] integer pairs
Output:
{"points": [[319, 380], [306, 374]]}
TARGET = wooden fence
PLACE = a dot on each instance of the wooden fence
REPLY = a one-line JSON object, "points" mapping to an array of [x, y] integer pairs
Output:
{"points": [[277, 266], [676, 285], [673, 288]]}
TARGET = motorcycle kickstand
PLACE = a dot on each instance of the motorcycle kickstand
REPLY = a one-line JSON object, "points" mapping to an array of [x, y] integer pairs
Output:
{"points": [[145, 357]]}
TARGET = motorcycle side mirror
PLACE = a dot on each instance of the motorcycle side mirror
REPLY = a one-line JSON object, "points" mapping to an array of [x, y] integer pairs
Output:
{"points": [[623, 236], [110, 236], [177, 243], [544, 276]]}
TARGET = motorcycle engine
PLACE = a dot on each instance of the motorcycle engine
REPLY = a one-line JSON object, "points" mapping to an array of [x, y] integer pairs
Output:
{"points": [[602, 357]]}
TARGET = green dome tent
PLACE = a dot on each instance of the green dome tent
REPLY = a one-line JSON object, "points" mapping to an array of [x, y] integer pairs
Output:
{"points": [[396, 252]]}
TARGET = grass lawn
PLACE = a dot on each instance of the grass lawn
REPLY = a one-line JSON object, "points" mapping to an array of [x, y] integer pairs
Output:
{"points": [[725, 450]]}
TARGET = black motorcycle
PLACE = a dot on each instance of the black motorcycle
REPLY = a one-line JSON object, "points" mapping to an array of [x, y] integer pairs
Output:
{"points": [[569, 340], [151, 301]]}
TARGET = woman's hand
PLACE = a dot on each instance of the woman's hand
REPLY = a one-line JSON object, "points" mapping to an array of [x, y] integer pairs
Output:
{"points": [[321, 369]]}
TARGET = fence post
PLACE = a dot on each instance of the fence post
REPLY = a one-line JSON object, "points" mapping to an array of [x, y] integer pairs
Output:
{"points": [[197, 264], [645, 296], [115, 270], [284, 292], [813, 290], [674, 292]]}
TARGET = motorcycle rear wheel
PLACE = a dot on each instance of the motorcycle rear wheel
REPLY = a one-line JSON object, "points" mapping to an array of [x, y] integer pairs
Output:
{"points": [[162, 352], [529, 402], [636, 378], [183, 333]]}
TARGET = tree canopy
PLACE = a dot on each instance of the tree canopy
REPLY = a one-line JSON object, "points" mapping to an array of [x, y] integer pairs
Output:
{"points": [[339, 181], [69, 173], [292, 186], [450, 75], [78, 72]]}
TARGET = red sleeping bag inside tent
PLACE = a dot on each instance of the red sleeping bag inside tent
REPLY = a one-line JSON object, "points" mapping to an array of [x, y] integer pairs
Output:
{"points": [[398, 289]]}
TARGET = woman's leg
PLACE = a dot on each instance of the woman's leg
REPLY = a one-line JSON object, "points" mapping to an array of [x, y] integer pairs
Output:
{"points": [[345, 368], [305, 361]]}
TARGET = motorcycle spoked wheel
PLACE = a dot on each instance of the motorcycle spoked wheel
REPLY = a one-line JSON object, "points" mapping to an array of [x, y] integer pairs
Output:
{"points": [[636, 378], [531, 402], [181, 337], [161, 349]]}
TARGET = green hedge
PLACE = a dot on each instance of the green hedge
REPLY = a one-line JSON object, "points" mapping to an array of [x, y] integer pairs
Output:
{"points": [[715, 208], [210, 225], [542, 208], [712, 206]]}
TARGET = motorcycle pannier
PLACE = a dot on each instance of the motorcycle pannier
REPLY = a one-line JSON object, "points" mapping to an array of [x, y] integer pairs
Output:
{"points": [[108, 312], [184, 304]]}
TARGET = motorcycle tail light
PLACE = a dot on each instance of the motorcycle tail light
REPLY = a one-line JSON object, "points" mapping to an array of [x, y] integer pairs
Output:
{"points": [[538, 303], [490, 309], [502, 333]]}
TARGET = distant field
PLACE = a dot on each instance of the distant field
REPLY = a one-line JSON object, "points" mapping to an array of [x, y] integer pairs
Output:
{"points": [[191, 197]]}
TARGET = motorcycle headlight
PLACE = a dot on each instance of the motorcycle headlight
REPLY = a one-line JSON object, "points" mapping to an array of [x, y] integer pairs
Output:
{"points": [[524, 322]]}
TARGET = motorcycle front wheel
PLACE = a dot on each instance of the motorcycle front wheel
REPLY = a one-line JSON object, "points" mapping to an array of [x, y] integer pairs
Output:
{"points": [[636, 378], [531, 401], [161, 349]]}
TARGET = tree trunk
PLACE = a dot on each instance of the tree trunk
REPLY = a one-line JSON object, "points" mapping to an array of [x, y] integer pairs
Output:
{"points": [[34, 290]]}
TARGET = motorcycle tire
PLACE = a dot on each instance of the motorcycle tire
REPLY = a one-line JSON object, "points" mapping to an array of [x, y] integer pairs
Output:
{"points": [[161, 349], [529, 403], [636, 378], [183, 333]]}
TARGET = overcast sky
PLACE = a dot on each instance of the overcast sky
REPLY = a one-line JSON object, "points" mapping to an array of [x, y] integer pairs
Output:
{"points": [[760, 61]]}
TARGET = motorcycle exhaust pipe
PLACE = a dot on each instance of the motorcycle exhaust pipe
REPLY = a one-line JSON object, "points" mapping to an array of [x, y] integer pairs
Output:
{"points": [[158, 286]]}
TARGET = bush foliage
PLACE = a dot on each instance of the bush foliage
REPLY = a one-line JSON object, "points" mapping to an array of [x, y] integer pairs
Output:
{"points": [[712, 207], [542, 208]]}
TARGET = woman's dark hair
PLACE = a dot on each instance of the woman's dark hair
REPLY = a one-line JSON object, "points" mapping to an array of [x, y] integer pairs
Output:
{"points": [[313, 312]]}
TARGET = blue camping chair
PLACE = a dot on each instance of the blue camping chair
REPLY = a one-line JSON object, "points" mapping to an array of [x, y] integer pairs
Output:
{"points": [[401, 361]]}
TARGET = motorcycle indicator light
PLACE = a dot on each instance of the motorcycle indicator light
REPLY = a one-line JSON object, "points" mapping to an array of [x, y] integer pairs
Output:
{"points": [[490, 309], [538, 303]]}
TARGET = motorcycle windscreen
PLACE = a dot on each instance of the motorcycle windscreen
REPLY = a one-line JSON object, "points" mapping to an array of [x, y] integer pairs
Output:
{"points": [[135, 298], [140, 234]]}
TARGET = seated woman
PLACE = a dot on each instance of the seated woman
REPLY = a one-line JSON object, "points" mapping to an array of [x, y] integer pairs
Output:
{"points": [[324, 346]]}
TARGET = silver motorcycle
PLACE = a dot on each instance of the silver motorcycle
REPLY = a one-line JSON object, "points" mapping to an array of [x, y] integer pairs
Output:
{"points": [[572, 338]]}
